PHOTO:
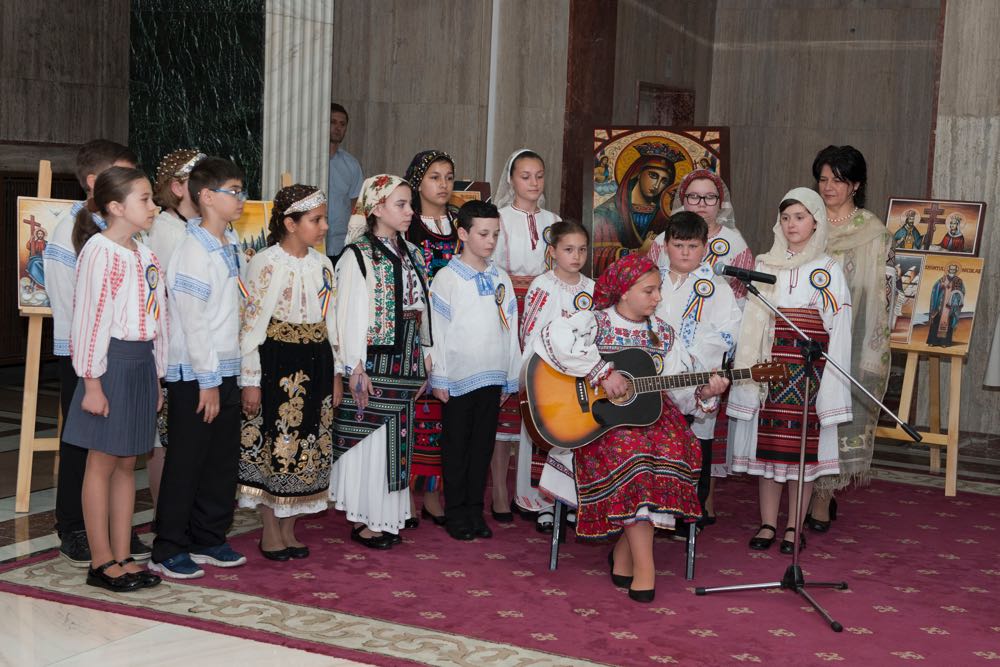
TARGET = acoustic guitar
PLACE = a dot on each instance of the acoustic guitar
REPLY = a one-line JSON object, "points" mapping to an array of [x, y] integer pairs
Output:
{"points": [[564, 411]]}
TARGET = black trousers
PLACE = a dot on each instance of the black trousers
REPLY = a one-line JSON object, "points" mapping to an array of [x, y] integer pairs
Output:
{"points": [[198, 488], [72, 461], [469, 427]]}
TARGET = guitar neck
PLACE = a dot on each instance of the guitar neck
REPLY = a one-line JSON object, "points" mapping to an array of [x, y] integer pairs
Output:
{"points": [[662, 382]]}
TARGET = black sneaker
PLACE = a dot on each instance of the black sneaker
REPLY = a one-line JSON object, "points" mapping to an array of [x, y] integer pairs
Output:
{"points": [[138, 550], [75, 548]]}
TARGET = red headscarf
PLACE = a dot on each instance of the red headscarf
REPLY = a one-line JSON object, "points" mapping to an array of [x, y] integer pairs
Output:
{"points": [[619, 277], [698, 174]]}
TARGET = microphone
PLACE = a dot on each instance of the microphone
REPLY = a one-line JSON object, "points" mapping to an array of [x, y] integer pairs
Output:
{"points": [[746, 275]]}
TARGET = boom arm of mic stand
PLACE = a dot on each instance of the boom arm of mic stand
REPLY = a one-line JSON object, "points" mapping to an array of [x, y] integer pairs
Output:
{"points": [[916, 437]]}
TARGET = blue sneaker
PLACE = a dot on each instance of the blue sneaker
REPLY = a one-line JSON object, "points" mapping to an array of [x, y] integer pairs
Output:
{"points": [[178, 567], [220, 556]]}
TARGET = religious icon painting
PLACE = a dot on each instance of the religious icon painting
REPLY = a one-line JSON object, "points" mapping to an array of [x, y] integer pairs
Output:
{"points": [[251, 228], [636, 173], [946, 301], [469, 190], [36, 220], [937, 226], [909, 271]]}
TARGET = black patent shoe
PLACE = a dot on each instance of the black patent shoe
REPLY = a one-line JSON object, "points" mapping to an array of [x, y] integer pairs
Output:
{"points": [[788, 546], [411, 523], [480, 529], [461, 532], [818, 526], [298, 553], [619, 580], [123, 583], [502, 517], [394, 538], [642, 596], [279, 555], [439, 520], [148, 579], [763, 543], [380, 542]]}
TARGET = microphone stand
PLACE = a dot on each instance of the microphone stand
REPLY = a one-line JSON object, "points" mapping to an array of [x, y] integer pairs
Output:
{"points": [[793, 578]]}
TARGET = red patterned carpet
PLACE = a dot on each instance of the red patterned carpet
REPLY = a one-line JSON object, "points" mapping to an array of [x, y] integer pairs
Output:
{"points": [[922, 570]]}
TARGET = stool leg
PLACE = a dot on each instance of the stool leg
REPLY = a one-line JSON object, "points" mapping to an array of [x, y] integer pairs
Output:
{"points": [[689, 570], [559, 513]]}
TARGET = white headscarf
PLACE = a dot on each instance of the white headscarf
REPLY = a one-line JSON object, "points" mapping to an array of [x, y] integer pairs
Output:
{"points": [[757, 329], [374, 191], [505, 190], [726, 216]]}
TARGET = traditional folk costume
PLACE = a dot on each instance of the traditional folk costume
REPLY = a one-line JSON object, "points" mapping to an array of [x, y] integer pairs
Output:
{"points": [[205, 291], [520, 251], [119, 335], [548, 299], [383, 322], [289, 349], [703, 311], [629, 474], [59, 260], [476, 357], [812, 292], [437, 238], [727, 246], [863, 248]]}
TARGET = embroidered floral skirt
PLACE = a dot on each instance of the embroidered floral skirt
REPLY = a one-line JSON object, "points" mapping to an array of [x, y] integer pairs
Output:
{"points": [[425, 474], [286, 448], [509, 425], [646, 473]]}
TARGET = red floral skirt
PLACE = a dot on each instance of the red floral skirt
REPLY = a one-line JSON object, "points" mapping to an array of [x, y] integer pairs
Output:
{"points": [[509, 423], [634, 474]]}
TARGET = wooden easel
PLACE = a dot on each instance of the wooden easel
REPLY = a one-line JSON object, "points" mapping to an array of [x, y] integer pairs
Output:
{"points": [[30, 445], [933, 437]]}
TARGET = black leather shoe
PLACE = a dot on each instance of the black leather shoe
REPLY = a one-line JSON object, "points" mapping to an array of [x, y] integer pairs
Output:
{"points": [[763, 543], [75, 548], [411, 523], [280, 555], [394, 538], [463, 533], [380, 542], [298, 553], [480, 529], [439, 520], [823, 526], [787, 546], [642, 596], [502, 517], [123, 583], [619, 580], [148, 579]]}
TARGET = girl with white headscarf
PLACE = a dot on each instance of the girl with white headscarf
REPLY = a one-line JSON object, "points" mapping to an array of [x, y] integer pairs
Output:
{"points": [[520, 251], [812, 292]]}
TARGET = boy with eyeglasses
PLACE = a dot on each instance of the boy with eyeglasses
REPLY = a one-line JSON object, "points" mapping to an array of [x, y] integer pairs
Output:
{"points": [[205, 289]]}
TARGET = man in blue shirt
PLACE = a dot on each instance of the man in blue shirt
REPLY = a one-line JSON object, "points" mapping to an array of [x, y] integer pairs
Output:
{"points": [[344, 185]]}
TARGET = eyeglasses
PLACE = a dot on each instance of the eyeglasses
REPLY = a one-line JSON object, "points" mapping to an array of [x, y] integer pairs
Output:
{"points": [[693, 199], [239, 194]]}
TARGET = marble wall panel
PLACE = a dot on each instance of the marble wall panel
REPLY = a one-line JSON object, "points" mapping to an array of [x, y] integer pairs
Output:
{"points": [[965, 166], [197, 80], [790, 78], [413, 76], [665, 43]]}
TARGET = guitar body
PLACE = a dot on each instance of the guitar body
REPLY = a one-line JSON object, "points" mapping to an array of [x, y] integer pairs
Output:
{"points": [[564, 411]]}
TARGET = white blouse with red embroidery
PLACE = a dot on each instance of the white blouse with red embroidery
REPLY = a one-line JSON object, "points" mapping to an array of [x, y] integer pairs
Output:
{"points": [[119, 294], [520, 249]]}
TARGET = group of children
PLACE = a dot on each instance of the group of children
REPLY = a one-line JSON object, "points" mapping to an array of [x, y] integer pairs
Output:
{"points": [[291, 384]]}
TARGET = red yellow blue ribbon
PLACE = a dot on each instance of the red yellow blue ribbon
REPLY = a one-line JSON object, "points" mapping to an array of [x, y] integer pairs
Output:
{"points": [[152, 303], [326, 292], [703, 289], [243, 288], [820, 279], [498, 295], [717, 249]]}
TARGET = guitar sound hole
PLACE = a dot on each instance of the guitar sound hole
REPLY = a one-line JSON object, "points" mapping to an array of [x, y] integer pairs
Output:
{"points": [[627, 398]]}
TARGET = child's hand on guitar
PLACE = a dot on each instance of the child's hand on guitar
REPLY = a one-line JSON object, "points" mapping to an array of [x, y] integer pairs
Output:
{"points": [[716, 386], [615, 385]]}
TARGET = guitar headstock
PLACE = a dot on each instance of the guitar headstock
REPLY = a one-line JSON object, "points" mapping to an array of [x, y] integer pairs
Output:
{"points": [[769, 372]]}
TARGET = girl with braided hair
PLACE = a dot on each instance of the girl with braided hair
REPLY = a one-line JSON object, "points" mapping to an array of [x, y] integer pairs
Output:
{"points": [[290, 373]]}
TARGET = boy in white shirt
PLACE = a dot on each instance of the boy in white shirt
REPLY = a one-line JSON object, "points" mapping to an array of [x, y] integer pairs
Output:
{"points": [[195, 507], [476, 362]]}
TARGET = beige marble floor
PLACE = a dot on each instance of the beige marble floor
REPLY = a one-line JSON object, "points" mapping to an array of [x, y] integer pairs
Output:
{"points": [[35, 632]]}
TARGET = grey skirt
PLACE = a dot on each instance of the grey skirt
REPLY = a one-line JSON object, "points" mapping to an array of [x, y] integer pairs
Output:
{"points": [[130, 385]]}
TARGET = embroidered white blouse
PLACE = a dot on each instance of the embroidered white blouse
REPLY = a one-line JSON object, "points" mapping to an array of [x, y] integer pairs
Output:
{"points": [[119, 294], [521, 251], [298, 290]]}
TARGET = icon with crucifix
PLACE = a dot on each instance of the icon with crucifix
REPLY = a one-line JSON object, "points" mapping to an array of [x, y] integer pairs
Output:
{"points": [[936, 226]]}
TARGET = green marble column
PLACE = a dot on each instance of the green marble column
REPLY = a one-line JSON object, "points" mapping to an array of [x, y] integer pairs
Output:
{"points": [[196, 80]]}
